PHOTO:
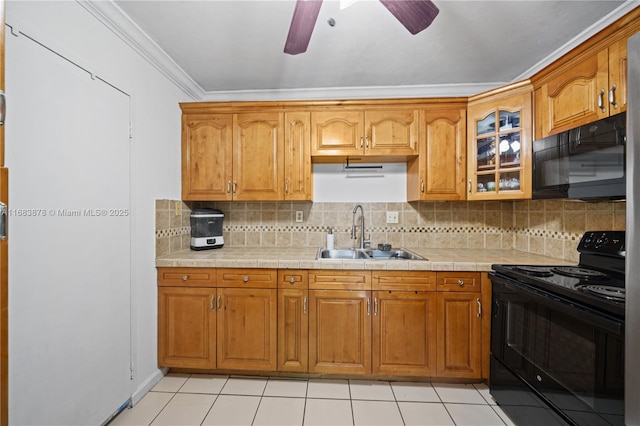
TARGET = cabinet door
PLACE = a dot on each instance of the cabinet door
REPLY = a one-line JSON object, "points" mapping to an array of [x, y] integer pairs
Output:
{"points": [[340, 331], [404, 333], [391, 132], [258, 155], [499, 147], [293, 330], [459, 335], [186, 327], [247, 329], [206, 157], [337, 133], [618, 77], [441, 173], [297, 162], [576, 96]]}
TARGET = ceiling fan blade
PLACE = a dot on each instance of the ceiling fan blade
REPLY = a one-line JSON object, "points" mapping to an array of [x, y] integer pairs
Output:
{"points": [[304, 19], [415, 15]]}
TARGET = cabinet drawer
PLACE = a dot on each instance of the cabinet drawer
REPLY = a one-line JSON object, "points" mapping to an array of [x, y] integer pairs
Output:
{"points": [[339, 280], [190, 277], [293, 278], [248, 278], [404, 280], [459, 281]]}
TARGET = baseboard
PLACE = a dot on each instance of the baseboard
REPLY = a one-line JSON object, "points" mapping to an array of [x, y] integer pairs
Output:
{"points": [[147, 385]]}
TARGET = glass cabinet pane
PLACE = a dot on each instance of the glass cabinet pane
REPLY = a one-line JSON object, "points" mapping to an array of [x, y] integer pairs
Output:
{"points": [[509, 120], [486, 125], [486, 153], [486, 183], [509, 148], [509, 181]]}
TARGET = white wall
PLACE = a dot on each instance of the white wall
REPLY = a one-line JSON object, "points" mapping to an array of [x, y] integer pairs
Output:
{"points": [[155, 164]]}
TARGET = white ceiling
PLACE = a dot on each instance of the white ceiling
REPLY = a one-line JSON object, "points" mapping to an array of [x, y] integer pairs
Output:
{"points": [[234, 48]]}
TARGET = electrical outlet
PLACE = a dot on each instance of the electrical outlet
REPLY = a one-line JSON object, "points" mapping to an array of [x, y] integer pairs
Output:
{"points": [[299, 216], [178, 208], [392, 217]]}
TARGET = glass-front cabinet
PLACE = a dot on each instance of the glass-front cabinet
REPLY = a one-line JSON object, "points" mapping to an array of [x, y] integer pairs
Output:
{"points": [[499, 144]]}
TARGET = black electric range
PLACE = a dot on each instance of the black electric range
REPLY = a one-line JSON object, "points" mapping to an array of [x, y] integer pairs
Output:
{"points": [[597, 281], [557, 337]]}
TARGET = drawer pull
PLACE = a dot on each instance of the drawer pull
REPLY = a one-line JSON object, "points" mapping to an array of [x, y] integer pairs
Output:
{"points": [[292, 280], [185, 277], [245, 279], [460, 283]]}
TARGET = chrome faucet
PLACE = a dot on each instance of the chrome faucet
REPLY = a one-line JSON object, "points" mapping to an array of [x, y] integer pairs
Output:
{"points": [[363, 241]]}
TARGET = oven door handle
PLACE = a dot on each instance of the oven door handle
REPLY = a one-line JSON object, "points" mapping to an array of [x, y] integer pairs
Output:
{"points": [[563, 305]]}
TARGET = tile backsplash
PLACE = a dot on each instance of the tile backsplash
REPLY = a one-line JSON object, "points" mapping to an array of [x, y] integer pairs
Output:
{"points": [[546, 227]]}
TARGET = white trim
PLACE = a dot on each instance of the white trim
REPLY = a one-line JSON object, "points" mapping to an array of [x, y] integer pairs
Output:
{"points": [[589, 32], [148, 384], [121, 24], [365, 92]]}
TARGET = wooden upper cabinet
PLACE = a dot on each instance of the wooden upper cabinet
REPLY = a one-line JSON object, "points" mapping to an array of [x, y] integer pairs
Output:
{"points": [[338, 132], [298, 184], [364, 133], [499, 144], [587, 89], [391, 132], [258, 154], [206, 157], [439, 171], [249, 156]]}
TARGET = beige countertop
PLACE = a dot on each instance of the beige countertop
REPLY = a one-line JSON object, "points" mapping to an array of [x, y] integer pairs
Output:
{"points": [[305, 258]]}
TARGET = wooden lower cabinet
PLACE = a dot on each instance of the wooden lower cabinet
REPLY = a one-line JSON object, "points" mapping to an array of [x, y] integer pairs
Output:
{"points": [[340, 331], [384, 323], [187, 327], [459, 335], [247, 329], [293, 320], [404, 333]]}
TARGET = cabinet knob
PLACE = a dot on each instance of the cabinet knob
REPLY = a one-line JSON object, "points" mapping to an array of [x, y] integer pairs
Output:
{"points": [[185, 277], [292, 280], [245, 279], [460, 283]]}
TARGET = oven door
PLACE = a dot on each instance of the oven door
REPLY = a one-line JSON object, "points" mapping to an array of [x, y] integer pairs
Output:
{"points": [[572, 357]]}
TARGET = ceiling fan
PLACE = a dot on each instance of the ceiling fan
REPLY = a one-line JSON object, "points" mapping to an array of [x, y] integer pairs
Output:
{"points": [[415, 15]]}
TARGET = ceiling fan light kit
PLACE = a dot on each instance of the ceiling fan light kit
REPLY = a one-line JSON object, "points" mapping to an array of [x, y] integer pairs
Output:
{"points": [[414, 15]]}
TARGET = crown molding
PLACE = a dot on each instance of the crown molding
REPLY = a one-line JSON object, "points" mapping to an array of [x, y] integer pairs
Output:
{"points": [[364, 92], [121, 24]]}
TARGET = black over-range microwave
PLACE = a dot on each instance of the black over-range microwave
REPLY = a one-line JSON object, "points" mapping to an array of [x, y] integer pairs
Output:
{"points": [[585, 163]]}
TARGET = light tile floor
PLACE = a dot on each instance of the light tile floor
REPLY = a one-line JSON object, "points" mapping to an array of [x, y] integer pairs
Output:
{"points": [[199, 399]]}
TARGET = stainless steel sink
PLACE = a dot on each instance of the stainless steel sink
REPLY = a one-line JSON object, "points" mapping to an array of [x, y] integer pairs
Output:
{"points": [[367, 254]]}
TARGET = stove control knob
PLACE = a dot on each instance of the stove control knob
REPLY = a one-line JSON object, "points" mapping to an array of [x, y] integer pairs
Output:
{"points": [[538, 378], [602, 241]]}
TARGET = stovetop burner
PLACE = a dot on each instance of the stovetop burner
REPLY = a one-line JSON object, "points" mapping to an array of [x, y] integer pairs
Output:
{"points": [[536, 271], [608, 292], [578, 272]]}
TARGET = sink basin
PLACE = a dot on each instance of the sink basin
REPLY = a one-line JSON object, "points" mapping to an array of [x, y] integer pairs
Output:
{"points": [[367, 254], [343, 253], [401, 253]]}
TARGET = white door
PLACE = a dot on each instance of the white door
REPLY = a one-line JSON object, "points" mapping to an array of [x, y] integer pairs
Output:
{"points": [[69, 259]]}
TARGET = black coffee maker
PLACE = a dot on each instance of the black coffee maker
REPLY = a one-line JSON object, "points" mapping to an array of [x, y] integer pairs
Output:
{"points": [[206, 229]]}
